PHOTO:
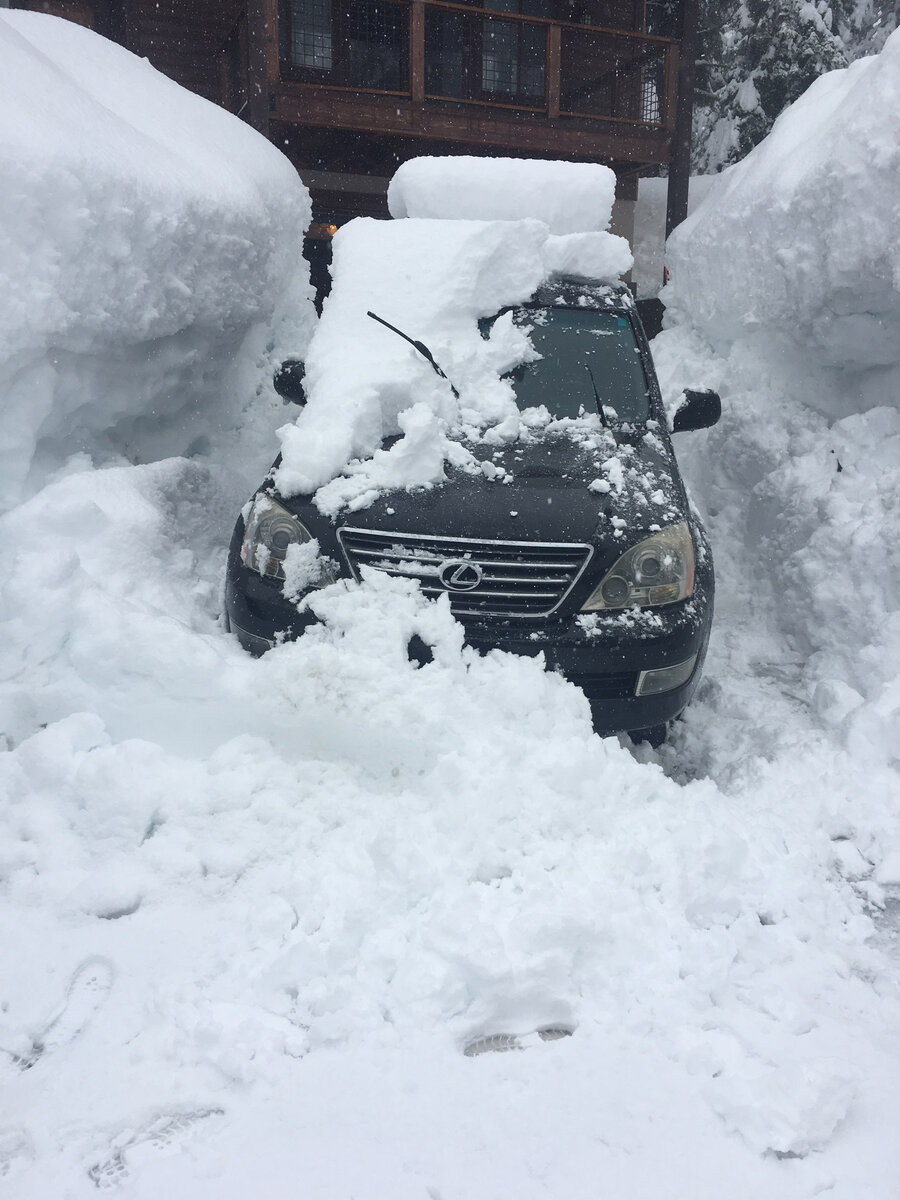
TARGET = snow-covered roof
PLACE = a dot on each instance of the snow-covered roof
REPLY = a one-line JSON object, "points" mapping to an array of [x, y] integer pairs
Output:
{"points": [[433, 278]]}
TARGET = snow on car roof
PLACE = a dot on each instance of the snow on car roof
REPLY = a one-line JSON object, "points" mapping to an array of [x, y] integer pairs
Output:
{"points": [[568, 197], [433, 279]]}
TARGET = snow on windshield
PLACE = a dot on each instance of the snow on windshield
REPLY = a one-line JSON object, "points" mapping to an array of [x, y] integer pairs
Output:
{"points": [[433, 279], [255, 912]]}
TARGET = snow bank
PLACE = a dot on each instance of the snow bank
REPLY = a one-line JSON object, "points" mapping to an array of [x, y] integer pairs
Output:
{"points": [[145, 235], [306, 884], [433, 279], [786, 295], [255, 912], [802, 238], [569, 197]]}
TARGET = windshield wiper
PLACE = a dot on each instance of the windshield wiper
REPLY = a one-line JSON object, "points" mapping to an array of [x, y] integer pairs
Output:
{"points": [[420, 346], [604, 422]]}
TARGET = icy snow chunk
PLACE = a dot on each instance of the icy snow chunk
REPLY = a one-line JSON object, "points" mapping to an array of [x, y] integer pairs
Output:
{"points": [[789, 1110], [569, 197], [802, 236], [603, 256], [144, 234], [304, 568], [888, 872]]}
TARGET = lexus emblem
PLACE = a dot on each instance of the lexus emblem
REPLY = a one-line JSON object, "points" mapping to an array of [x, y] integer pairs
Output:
{"points": [[460, 575]]}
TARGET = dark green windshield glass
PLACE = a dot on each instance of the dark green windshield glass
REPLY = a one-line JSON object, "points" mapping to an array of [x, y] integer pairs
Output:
{"points": [[571, 340]]}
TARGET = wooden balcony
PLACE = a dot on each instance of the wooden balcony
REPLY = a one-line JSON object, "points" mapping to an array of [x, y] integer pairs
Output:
{"points": [[450, 73]]}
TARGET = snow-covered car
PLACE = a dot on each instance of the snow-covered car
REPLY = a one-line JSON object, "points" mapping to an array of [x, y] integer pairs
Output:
{"points": [[575, 540]]}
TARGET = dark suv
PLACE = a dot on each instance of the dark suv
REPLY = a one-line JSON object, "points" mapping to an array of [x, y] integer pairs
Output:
{"points": [[576, 540]]}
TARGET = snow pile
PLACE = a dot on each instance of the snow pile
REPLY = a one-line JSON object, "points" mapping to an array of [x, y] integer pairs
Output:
{"points": [[802, 238], [259, 917], [146, 237], [569, 197], [786, 290], [433, 279], [307, 884]]}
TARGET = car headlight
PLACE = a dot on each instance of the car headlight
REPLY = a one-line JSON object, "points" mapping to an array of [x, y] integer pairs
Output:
{"points": [[268, 532], [658, 570]]}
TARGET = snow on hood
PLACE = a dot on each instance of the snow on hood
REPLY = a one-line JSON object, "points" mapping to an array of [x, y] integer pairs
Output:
{"points": [[803, 236], [433, 279], [569, 197], [144, 232]]}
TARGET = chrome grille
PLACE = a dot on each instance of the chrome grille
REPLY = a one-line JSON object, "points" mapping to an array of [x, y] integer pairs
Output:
{"points": [[518, 579]]}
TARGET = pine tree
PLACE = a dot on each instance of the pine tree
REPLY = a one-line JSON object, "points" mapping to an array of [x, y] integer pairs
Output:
{"points": [[757, 57]]}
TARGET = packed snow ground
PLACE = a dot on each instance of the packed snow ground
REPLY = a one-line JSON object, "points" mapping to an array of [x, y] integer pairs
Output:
{"points": [[255, 911]]}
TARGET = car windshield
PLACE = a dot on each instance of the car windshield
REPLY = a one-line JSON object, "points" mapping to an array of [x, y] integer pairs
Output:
{"points": [[585, 355]]}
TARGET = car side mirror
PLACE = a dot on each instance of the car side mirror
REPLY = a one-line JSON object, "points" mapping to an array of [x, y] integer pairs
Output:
{"points": [[288, 381], [698, 410]]}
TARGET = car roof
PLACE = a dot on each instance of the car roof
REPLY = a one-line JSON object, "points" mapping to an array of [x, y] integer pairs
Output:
{"points": [[566, 292]]}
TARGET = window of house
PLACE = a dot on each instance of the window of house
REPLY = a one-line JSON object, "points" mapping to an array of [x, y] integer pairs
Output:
{"points": [[513, 53], [310, 34]]}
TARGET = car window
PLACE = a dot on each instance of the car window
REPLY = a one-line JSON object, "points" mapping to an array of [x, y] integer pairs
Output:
{"points": [[571, 340]]}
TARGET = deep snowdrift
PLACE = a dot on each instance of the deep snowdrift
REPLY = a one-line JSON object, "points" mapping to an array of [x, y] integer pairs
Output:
{"points": [[800, 325], [820, 198], [254, 912], [145, 234]]}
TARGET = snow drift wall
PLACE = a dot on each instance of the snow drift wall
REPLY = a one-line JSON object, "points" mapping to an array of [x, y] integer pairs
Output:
{"points": [[802, 238], [786, 297], [144, 233]]}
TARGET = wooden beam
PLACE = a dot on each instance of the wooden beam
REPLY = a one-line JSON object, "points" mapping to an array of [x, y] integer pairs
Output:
{"points": [[554, 61], [257, 78], [680, 168], [597, 139], [417, 51], [671, 88], [273, 69]]}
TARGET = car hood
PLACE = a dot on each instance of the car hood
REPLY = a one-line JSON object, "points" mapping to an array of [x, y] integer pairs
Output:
{"points": [[552, 487]]}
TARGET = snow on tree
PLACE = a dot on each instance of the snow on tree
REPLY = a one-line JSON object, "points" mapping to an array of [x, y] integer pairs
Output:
{"points": [[757, 57]]}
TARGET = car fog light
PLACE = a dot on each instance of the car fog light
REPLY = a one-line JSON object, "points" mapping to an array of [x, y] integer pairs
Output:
{"points": [[664, 679], [614, 591]]}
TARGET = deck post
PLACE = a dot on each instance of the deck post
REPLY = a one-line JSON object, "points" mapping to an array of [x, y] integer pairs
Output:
{"points": [[680, 164], [417, 52], [554, 60], [261, 28]]}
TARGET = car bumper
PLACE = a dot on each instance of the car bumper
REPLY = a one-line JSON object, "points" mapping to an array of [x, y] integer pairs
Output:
{"points": [[613, 657]]}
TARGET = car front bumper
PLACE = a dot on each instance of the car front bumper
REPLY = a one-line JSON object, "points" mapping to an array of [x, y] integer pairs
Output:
{"points": [[612, 657]]}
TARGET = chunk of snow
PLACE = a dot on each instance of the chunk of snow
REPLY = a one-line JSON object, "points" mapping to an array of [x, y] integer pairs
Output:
{"points": [[433, 280], [602, 256], [569, 197]]}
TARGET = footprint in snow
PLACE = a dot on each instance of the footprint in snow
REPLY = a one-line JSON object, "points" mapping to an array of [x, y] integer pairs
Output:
{"points": [[502, 1042], [165, 1135], [87, 990], [15, 1151]]}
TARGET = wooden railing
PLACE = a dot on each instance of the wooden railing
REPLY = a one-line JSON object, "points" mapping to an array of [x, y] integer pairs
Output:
{"points": [[440, 52]]}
